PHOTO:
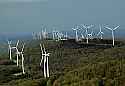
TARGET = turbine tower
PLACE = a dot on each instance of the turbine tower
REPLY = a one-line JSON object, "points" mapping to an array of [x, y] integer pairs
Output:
{"points": [[90, 35], [112, 29], [45, 56], [76, 31], [100, 32], [86, 28], [66, 36]]}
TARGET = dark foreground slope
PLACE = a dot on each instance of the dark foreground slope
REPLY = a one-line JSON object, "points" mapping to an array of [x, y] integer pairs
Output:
{"points": [[69, 66]]}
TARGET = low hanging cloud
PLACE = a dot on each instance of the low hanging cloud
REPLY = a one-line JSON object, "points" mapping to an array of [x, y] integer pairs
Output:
{"points": [[22, 0]]}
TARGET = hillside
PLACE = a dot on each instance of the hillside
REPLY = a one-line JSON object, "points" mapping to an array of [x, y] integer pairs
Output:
{"points": [[70, 63]]}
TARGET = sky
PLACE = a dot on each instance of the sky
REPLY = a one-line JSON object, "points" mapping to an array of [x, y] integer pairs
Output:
{"points": [[30, 15]]}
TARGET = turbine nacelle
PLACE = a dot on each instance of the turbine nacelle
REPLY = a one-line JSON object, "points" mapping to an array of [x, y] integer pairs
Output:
{"points": [[48, 54]]}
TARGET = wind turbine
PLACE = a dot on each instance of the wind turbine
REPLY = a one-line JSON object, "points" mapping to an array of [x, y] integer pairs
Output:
{"points": [[39, 35], [58, 35], [53, 33], [22, 55], [76, 30], [112, 29], [10, 49], [65, 36], [45, 56], [100, 32], [17, 52], [86, 28], [44, 33], [33, 35]]}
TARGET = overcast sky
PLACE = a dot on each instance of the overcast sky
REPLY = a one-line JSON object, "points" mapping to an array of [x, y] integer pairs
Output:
{"points": [[29, 15]]}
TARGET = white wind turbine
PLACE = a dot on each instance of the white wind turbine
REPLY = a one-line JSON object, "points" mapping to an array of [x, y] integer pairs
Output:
{"points": [[40, 35], [44, 33], [53, 33], [17, 52], [10, 50], [22, 55], [45, 56], [100, 32], [59, 35], [112, 29], [76, 30], [66, 36], [86, 28]]}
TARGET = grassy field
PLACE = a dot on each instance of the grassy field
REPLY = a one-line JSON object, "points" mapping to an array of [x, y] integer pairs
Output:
{"points": [[71, 64]]}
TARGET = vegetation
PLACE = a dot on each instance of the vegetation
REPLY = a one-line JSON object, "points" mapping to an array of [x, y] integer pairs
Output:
{"points": [[69, 66]]}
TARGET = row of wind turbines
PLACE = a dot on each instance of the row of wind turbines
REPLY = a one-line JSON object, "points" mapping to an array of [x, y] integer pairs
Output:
{"points": [[57, 35], [20, 53], [90, 35]]}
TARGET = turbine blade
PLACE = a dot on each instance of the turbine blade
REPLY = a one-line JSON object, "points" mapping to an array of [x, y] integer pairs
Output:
{"points": [[116, 27], [102, 32], [108, 28], [98, 34], [17, 43], [100, 28], [41, 48]]}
